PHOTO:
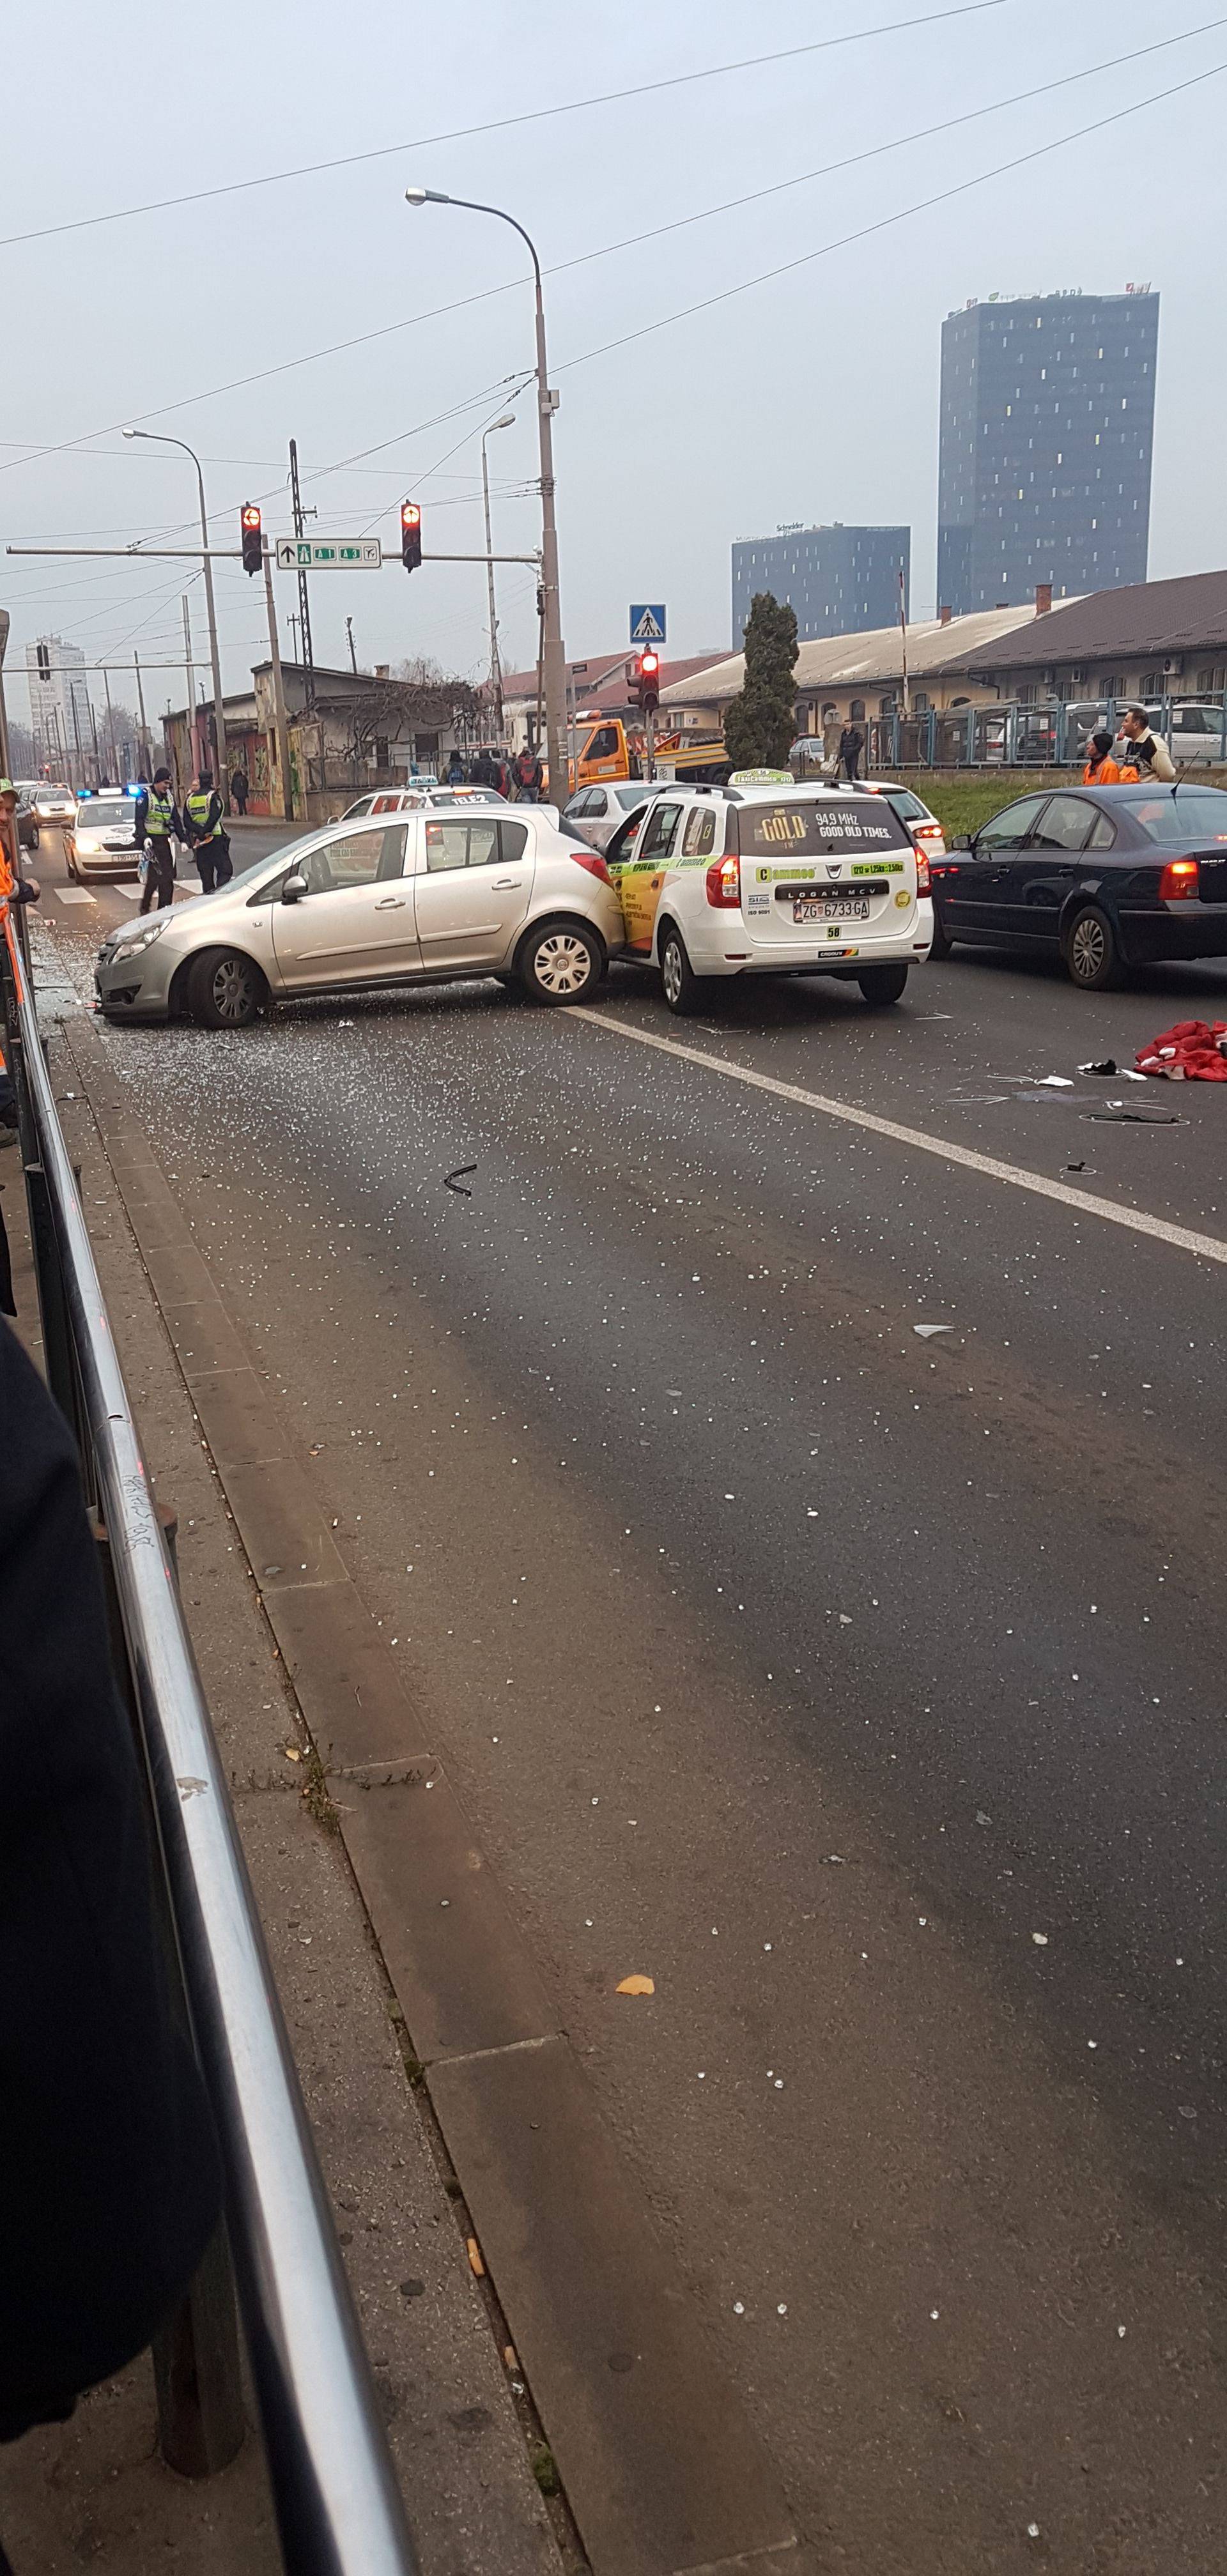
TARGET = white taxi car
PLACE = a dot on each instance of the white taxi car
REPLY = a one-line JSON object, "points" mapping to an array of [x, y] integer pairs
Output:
{"points": [[765, 877]]}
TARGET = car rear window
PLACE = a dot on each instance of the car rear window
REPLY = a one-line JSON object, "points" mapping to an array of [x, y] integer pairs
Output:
{"points": [[94, 816], [823, 829], [1191, 814], [908, 807]]}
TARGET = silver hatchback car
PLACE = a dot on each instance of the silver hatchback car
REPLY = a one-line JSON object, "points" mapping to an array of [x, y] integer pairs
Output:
{"points": [[423, 898]]}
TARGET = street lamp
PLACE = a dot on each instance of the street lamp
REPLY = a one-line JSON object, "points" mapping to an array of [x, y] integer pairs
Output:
{"points": [[508, 421], [547, 404], [160, 439]]}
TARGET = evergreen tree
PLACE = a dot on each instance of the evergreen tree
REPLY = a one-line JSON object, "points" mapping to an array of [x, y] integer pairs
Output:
{"points": [[758, 725]]}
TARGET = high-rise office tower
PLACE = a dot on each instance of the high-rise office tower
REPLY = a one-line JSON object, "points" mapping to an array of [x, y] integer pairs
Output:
{"points": [[840, 581], [1047, 424]]}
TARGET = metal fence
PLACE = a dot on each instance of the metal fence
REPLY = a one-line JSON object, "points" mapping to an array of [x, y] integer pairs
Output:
{"points": [[1050, 735], [338, 2508]]}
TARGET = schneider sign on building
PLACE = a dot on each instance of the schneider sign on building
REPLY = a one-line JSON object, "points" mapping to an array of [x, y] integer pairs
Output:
{"points": [[1047, 423]]}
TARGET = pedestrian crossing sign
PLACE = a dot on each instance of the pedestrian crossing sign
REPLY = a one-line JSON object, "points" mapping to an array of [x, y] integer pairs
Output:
{"points": [[648, 622]]}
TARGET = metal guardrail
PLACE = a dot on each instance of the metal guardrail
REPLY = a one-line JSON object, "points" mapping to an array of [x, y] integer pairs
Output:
{"points": [[338, 2508]]}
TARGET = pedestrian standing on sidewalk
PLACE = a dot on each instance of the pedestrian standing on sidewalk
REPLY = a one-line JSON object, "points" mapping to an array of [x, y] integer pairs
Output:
{"points": [[240, 789], [1101, 769], [158, 826], [455, 771], [1146, 758], [851, 745], [527, 777], [202, 815]]}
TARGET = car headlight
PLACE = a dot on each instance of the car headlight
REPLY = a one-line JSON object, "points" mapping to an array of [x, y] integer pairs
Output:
{"points": [[132, 946]]}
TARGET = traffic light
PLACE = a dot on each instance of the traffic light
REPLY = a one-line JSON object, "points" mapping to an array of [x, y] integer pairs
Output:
{"points": [[410, 535], [44, 662], [634, 681], [253, 541], [649, 682]]}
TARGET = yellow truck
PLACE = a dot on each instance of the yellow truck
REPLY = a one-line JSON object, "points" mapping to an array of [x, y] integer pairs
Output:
{"points": [[605, 749]]}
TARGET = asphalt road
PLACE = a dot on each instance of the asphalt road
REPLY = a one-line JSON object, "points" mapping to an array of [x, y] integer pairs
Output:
{"points": [[857, 1682]]}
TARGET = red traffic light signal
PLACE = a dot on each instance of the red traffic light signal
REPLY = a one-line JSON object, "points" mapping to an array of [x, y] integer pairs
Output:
{"points": [[253, 540], [649, 682], [410, 535]]}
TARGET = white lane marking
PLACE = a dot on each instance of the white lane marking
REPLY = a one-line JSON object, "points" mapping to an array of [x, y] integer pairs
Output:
{"points": [[1208, 1247], [73, 894]]}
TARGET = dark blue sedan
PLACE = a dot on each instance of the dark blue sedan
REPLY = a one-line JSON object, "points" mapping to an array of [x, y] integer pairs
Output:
{"points": [[1103, 877]]}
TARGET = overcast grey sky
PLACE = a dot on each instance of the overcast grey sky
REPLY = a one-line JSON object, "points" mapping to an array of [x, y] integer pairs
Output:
{"points": [[810, 397]]}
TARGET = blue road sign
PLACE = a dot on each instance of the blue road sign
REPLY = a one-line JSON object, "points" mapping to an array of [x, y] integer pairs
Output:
{"points": [[648, 622]]}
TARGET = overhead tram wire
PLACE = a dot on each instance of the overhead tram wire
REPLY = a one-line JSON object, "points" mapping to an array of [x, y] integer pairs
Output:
{"points": [[484, 295], [902, 214], [501, 124]]}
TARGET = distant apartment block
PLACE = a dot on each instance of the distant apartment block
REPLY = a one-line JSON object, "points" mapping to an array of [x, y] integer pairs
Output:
{"points": [[1047, 426], [839, 580], [59, 704]]}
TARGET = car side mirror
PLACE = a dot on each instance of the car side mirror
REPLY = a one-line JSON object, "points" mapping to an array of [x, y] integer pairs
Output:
{"points": [[295, 887], [962, 841]]}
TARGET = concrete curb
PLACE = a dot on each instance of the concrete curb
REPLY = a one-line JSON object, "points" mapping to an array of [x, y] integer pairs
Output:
{"points": [[662, 2469]]}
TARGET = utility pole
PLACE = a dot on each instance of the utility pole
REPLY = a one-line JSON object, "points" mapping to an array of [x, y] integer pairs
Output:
{"points": [[146, 745], [496, 676], [93, 726], [113, 755], [304, 605], [72, 700], [353, 658], [219, 762], [903, 631], [279, 721], [553, 658], [292, 622], [4, 719], [189, 703]]}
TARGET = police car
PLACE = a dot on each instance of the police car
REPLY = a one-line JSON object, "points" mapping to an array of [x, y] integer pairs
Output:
{"points": [[765, 877]]}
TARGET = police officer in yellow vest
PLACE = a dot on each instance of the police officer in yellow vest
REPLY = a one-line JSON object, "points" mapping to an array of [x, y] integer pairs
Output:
{"points": [[158, 826], [202, 813]]}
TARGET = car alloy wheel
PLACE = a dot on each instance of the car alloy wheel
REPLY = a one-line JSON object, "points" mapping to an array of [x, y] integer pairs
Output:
{"points": [[1091, 955]]}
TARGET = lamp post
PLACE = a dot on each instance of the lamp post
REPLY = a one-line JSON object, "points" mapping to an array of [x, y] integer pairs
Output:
{"points": [[496, 675], [221, 774], [547, 404]]}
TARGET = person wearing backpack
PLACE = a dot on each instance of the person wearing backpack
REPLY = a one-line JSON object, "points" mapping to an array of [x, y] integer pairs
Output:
{"points": [[527, 777]]}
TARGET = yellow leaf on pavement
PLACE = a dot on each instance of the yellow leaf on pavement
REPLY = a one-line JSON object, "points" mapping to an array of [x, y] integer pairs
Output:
{"points": [[636, 1986]]}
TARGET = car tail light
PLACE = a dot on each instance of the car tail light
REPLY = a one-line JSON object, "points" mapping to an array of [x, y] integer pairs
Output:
{"points": [[923, 885], [593, 861], [724, 883], [1179, 878]]}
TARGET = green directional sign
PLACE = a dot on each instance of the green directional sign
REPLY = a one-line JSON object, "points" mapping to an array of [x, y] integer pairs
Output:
{"points": [[329, 554]]}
